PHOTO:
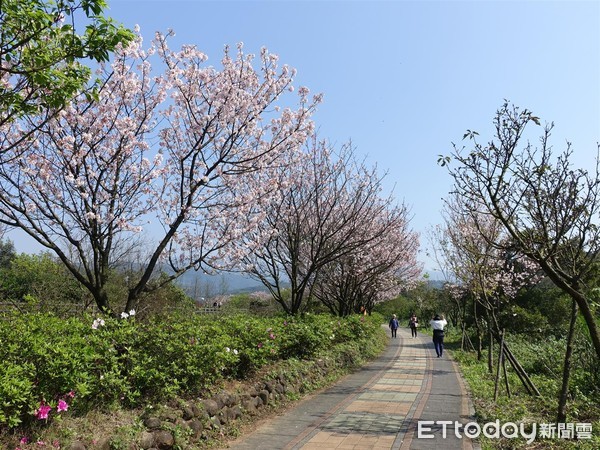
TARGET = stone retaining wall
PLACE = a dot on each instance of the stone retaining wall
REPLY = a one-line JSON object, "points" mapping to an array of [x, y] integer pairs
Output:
{"points": [[202, 419]]}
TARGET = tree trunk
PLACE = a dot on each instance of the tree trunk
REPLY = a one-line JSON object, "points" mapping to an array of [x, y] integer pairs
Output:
{"points": [[490, 361], [584, 305], [500, 365], [479, 332], [101, 298], [590, 320], [561, 416]]}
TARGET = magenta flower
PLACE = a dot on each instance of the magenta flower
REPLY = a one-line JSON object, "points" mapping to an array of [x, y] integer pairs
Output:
{"points": [[62, 406], [24, 440], [42, 412]]}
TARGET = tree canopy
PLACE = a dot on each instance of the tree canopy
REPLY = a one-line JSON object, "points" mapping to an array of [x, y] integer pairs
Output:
{"points": [[42, 48], [548, 209]]}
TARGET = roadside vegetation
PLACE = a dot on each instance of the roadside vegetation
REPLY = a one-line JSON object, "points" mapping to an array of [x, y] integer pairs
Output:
{"points": [[56, 371], [536, 324]]}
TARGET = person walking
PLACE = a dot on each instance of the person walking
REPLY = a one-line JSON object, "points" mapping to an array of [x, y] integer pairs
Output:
{"points": [[413, 323], [393, 325], [437, 324]]}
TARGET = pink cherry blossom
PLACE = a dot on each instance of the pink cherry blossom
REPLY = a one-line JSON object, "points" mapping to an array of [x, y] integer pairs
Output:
{"points": [[175, 148], [331, 230]]}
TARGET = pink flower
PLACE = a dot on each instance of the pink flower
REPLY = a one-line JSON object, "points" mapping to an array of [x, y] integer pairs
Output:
{"points": [[271, 335], [42, 412], [41, 443], [24, 440], [260, 345], [71, 394], [62, 406], [56, 444]]}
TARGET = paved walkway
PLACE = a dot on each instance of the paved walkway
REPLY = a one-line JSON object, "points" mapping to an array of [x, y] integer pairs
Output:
{"points": [[378, 407]]}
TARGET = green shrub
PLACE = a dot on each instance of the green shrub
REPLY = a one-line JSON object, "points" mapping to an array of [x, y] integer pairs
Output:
{"points": [[46, 359]]}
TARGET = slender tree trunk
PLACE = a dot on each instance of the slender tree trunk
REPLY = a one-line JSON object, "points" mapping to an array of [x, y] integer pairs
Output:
{"points": [[500, 365], [464, 327], [583, 303], [564, 391], [479, 332], [590, 320], [490, 359]]}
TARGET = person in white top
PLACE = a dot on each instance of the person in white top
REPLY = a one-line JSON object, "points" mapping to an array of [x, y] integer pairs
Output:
{"points": [[438, 323]]}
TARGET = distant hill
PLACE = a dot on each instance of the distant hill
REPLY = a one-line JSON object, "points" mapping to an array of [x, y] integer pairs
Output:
{"points": [[436, 284], [200, 285]]}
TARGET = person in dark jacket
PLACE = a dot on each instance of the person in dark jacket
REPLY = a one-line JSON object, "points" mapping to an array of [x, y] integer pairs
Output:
{"points": [[413, 323], [393, 325]]}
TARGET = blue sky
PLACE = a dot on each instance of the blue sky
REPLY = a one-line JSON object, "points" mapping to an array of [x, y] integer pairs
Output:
{"points": [[403, 80]]}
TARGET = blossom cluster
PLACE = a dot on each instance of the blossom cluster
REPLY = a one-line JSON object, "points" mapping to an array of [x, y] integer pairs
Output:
{"points": [[167, 140], [25, 440], [126, 315], [97, 323], [44, 409]]}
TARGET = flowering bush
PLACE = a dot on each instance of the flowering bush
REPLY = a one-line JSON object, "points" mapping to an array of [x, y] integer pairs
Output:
{"points": [[49, 366]]}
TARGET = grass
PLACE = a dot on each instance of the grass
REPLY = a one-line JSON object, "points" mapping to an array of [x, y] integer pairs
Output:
{"points": [[520, 407]]}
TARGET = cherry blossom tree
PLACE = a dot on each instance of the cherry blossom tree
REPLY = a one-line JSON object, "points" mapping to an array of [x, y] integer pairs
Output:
{"points": [[481, 261], [549, 209], [182, 157], [377, 270], [328, 214]]}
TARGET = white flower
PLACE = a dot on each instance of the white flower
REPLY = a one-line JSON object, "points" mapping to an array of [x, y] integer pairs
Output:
{"points": [[132, 313], [124, 315], [97, 323], [235, 352], [227, 349]]}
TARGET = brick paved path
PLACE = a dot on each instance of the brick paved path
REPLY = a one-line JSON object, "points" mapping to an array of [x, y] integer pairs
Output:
{"points": [[378, 407]]}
